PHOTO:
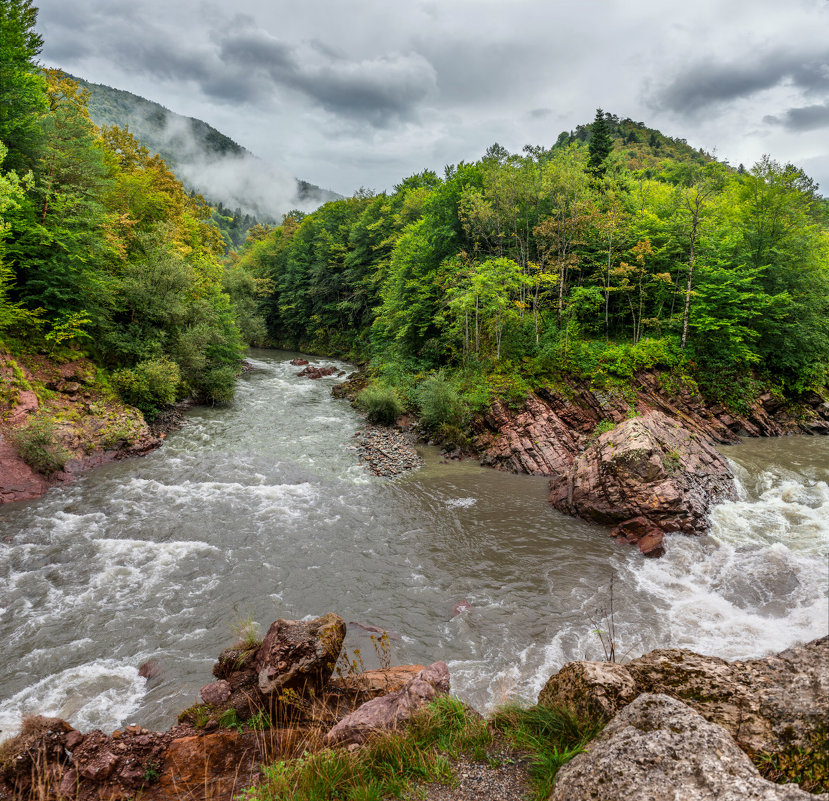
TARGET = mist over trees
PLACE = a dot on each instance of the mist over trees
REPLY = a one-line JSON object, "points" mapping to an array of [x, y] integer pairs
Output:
{"points": [[101, 247]]}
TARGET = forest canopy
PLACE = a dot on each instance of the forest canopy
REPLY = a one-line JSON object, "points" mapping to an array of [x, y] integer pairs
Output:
{"points": [[101, 247], [615, 249]]}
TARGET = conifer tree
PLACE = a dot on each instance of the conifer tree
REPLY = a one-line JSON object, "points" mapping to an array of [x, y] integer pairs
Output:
{"points": [[600, 145]]}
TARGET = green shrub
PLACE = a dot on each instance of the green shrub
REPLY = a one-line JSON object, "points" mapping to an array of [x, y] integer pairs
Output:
{"points": [[149, 386], [441, 407], [380, 403], [40, 447], [216, 385]]}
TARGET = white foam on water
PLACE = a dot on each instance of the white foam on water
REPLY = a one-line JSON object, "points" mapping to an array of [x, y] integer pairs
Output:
{"points": [[462, 503], [101, 694]]}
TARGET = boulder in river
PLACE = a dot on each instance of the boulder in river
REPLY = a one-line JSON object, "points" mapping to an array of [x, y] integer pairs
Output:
{"points": [[658, 748], [313, 372], [647, 476]]}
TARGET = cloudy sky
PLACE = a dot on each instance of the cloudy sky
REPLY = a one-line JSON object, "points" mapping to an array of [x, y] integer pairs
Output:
{"points": [[365, 92]]}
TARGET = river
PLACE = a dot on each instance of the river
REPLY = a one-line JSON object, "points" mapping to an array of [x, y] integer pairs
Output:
{"points": [[261, 510]]}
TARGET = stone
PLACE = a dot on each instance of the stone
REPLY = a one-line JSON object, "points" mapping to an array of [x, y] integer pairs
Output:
{"points": [[299, 656], [314, 372], [18, 482], [648, 474], [27, 404], [225, 761], [216, 693], [593, 690], [375, 682], [389, 712], [299, 362], [656, 749], [768, 704]]}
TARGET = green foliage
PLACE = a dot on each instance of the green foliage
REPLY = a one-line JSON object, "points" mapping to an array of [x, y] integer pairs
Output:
{"points": [[806, 766], [380, 403], [149, 386], [441, 406], [551, 736], [39, 445]]}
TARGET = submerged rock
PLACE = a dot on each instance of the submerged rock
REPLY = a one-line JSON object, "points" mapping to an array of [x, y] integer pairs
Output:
{"points": [[658, 748], [648, 475]]}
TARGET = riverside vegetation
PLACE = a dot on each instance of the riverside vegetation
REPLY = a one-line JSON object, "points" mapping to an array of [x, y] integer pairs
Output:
{"points": [[616, 250], [104, 258]]}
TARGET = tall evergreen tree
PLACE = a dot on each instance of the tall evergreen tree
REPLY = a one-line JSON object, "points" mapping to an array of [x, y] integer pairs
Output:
{"points": [[600, 144]]}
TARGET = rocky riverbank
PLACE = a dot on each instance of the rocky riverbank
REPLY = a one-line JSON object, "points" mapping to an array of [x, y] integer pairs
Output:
{"points": [[642, 460], [387, 451], [676, 721], [58, 420]]}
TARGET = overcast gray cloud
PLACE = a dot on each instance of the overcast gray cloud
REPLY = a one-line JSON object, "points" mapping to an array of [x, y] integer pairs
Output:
{"points": [[366, 92], [805, 118], [709, 83]]}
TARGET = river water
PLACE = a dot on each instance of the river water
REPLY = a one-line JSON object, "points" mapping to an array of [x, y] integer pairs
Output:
{"points": [[261, 510]]}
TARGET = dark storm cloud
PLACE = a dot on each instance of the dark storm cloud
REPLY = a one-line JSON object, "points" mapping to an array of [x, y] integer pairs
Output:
{"points": [[804, 118], [709, 83]]}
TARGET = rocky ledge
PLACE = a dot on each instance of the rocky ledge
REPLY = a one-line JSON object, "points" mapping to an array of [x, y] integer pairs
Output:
{"points": [[699, 724], [642, 461], [270, 699]]}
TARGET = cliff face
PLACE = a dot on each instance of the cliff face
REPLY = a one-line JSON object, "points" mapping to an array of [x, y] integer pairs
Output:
{"points": [[553, 426]]}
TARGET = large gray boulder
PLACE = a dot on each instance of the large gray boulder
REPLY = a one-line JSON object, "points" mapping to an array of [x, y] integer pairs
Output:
{"points": [[389, 712], [659, 749], [768, 705]]}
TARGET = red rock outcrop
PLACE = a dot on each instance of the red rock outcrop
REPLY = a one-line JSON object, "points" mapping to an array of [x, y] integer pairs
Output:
{"points": [[391, 711], [648, 475], [554, 425]]}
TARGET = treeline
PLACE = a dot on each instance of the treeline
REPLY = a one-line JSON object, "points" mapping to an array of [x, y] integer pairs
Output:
{"points": [[516, 268], [101, 247]]}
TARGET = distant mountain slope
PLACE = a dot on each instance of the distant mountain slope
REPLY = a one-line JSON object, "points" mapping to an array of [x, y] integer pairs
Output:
{"points": [[204, 158]]}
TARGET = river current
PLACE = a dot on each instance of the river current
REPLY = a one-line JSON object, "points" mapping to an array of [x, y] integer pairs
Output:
{"points": [[261, 510]]}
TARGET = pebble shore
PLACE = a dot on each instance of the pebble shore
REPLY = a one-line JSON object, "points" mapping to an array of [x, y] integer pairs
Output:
{"points": [[386, 451]]}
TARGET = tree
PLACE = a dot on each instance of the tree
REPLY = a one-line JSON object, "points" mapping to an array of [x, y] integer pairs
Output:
{"points": [[22, 88], [601, 143], [703, 184]]}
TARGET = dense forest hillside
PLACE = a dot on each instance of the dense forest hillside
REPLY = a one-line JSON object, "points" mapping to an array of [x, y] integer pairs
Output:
{"points": [[104, 254], [204, 159], [614, 250]]}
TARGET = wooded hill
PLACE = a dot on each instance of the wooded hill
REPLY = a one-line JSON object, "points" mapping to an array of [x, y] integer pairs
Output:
{"points": [[614, 250]]}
